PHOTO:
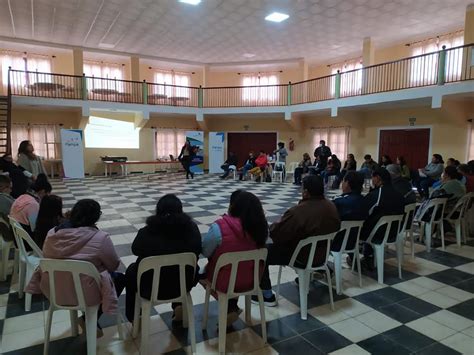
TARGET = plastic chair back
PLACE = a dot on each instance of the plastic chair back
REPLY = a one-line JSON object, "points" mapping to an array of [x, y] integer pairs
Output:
{"points": [[409, 217], [258, 257], [388, 222], [155, 263], [22, 236], [347, 227], [313, 243], [459, 209]]}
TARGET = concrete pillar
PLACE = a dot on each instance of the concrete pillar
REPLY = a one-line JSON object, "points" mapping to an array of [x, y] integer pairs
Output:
{"points": [[135, 68], [78, 61], [303, 66], [368, 52], [205, 76], [469, 24]]}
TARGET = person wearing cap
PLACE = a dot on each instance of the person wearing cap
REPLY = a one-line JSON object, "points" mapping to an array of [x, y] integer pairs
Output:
{"points": [[403, 186]]}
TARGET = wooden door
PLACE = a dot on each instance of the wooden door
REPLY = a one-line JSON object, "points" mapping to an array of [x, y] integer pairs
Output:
{"points": [[412, 144], [242, 143]]}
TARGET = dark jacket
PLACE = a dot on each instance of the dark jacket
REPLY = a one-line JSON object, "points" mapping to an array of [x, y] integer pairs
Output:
{"points": [[231, 160], [310, 217], [163, 236], [404, 187], [350, 165], [250, 161], [382, 201], [371, 165], [20, 183], [323, 153]]}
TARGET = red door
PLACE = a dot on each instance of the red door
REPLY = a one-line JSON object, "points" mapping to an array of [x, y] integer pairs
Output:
{"points": [[242, 143], [412, 144]]}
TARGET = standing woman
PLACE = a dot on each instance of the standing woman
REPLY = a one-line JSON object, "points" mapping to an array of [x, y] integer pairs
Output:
{"points": [[185, 158], [28, 160]]}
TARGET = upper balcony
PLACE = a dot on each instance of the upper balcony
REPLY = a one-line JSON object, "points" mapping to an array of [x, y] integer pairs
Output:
{"points": [[437, 68]]}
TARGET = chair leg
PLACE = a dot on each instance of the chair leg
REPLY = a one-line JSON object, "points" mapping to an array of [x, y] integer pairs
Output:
{"points": [[412, 240], [248, 316], [91, 329], [457, 227], [222, 299], [441, 229], [73, 317], [399, 247], [21, 278], [328, 275], [379, 256], [427, 232], [136, 316], [338, 271], [206, 307], [185, 315], [278, 283], [28, 297], [146, 309], [261, 304], [190, 314], [6, 246], [47, 330], [303, 283], [359, 269], [119, 325]]}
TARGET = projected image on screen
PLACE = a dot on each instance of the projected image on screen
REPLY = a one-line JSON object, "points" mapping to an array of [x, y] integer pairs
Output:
{"points": [[106, 133]]}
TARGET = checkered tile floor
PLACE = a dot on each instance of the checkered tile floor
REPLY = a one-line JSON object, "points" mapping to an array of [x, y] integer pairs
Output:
{"points": [[430, 311]]}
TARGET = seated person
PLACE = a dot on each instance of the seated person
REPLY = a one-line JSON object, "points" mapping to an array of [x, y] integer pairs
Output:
{"points": [[303, 168], [385, 161], [403, 186], [229, 165], [368, 166], [79, 239], [383, 200], [314, 215], [318, 166], [405, 170], [243, 228], [6, 200], [26, 207], [169, 231], [29, 161], [19, 177], [350, 206], [50, 215], [450, 186], [249, 164], [333, 168], [468, 176], [261, 164], [349, 165], [425, 178]]}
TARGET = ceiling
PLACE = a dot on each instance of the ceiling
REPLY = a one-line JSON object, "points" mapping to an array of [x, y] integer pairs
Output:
{"points": [[222, 31]]}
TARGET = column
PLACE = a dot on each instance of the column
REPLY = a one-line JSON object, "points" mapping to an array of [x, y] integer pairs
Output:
{"points": [[137, 88], [78, 61], [368, 58], [468, 39], [135, 68]]}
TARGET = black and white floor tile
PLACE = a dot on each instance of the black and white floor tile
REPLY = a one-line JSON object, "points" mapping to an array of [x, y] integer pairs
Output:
{"points": [[429, 311]]}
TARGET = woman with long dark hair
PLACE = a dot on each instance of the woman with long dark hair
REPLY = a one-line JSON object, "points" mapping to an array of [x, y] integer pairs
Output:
{"points": [[29, 160], [243, 228], [406, 174], [185, 157], [50, 215], [169, 231]]}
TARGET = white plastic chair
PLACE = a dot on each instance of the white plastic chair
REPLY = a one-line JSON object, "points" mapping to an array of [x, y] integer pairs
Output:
{"points": [[347, 227], [28, 261], [155, 263], [76, 269], [233, 171], [291, 169], [6, 246], [410, 216], [379, 247], [457, 217], [232, 259], [278, 173], [437, 206], [304, 274]]}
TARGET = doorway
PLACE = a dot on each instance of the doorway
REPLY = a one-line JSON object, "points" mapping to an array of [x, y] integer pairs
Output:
{"points": [[242, 143], [412, 144]]}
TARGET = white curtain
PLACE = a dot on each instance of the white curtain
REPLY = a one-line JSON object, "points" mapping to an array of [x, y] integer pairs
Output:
{"points": [[424, 69], [45, 139], [34, 63], [351, 84], [337, 138], [263, 94], [169, 141], [104, 74], [171, 78]]}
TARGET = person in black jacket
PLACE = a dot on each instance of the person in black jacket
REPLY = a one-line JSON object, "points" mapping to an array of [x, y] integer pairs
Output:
{"points": [[383, 200], [323, 152], [19, 176], [229, 165], [403, 186], [170, 231], [349, 165], [249, 165]]}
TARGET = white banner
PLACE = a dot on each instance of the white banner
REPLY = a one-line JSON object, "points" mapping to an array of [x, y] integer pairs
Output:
{"points": [[216, 152], [72, 147]]}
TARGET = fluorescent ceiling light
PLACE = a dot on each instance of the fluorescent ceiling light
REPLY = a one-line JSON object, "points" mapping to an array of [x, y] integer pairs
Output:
{"points": [[190, 2], [277, 17]]}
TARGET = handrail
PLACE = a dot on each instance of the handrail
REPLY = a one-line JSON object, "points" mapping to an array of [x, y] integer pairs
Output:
{"points": [[434, 68]]}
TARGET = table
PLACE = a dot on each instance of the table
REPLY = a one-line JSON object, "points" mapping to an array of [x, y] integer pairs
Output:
{"points": [[178, 99], [124, 165], [45, 86], [104, 92], [52, 162]]}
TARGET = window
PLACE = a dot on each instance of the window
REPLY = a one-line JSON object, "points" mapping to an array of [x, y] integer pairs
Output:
{"points": [[337, 138], [351, 83], [169, 142], [424, 69], [258, 90], [173, 84], [35, 63], [100, 71], [45, 139]]}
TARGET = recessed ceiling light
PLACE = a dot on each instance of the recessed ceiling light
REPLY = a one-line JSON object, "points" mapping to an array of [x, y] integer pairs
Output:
{"points": [[276, 17], [248, 55], [190, 2]]}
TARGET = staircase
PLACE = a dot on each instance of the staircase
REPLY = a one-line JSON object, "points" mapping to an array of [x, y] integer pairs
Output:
{"points": [[5, 125]]}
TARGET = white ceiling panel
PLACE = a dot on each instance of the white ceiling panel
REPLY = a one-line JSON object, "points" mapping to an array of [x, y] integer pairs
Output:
{"points": [[221, 31]]}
